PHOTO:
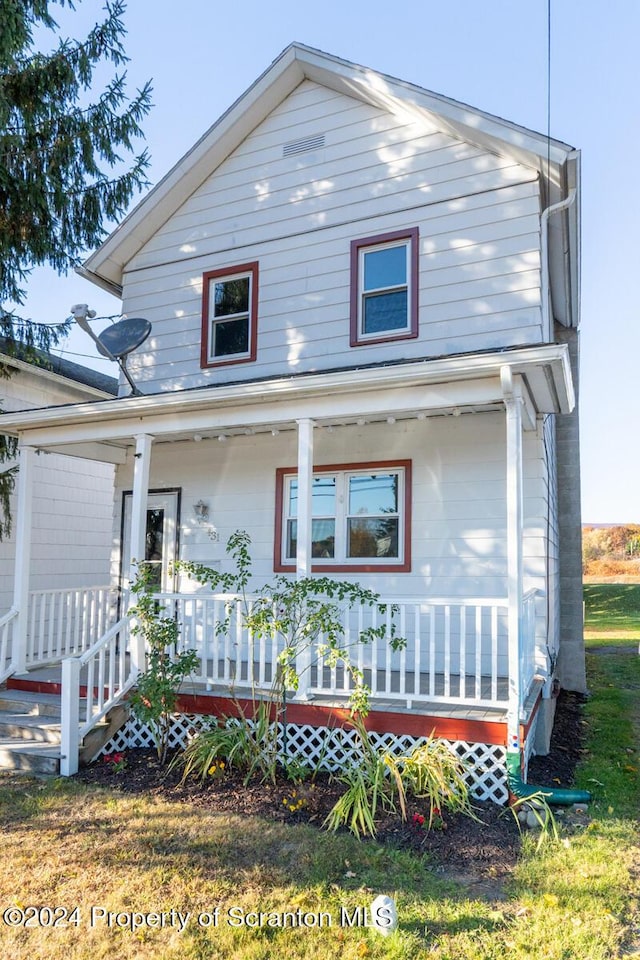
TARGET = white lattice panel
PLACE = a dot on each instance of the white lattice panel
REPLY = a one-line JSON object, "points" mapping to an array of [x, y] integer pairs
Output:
{"points": [[331, 748]]}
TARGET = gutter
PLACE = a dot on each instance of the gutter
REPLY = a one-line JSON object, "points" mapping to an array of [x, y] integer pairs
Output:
{"points": [[424, 373]]}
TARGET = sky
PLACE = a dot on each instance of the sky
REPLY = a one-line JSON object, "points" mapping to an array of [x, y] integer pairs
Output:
{"points": [[201, 55]]}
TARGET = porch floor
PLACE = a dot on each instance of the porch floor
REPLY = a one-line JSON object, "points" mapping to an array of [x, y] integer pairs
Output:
{"points": [[47, 678]]}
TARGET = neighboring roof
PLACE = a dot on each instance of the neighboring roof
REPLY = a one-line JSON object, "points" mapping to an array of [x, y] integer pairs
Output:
{"points": [[60, 367], [556, 162]]}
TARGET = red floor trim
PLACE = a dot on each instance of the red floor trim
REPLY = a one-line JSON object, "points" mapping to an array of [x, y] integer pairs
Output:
{"points": [[412, 724], [45, 686]]}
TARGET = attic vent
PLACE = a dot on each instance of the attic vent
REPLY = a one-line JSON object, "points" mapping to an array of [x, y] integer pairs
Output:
{"points": [[303, 146]]}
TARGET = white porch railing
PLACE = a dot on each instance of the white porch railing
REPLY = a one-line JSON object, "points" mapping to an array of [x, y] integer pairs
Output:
{"points": [[529, 659], [107, 670], [455, 653], [64, 623], [456, 650], [7, 627]]}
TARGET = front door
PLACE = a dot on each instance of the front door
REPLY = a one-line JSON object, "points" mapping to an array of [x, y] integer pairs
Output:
{"points": [[161, 539]]}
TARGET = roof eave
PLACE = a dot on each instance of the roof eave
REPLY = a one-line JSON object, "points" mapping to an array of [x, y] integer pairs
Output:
{"points": [[546, 367]]}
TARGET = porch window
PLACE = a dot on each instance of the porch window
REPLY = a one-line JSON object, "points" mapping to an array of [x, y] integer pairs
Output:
{"points": [[229, 315], [360, 517], [384, 288]]}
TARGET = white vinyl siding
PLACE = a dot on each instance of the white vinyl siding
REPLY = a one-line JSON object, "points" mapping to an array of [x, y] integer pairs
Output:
{"points": [[477, 213], [459, 544], [72, 505]]}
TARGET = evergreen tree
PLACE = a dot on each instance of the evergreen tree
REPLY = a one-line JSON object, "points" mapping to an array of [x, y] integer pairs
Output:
{"points": [[64, 172]]}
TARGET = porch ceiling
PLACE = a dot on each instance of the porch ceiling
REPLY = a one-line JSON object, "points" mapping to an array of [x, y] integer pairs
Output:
{"points": [[452, 385]]}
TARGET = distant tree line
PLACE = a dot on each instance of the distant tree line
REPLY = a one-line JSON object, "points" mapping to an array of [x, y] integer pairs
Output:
{"points": [[609, 551]]}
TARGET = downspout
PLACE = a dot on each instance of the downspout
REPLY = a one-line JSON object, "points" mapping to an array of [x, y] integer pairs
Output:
{"points": [[555, 795], [517, 787], [544, 245]]}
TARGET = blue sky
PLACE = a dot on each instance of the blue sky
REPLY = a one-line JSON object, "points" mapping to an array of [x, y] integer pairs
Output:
{"points": [[202, 55]]}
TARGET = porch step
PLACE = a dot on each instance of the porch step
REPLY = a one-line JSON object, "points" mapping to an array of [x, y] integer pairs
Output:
{"points": [[40, 758], [31, 704], [30, 731]]}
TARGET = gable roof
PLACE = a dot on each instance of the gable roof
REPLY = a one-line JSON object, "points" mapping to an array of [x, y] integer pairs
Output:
{"points": [[556, 162]]}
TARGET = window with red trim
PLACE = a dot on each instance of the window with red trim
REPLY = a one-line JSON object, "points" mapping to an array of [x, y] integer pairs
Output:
{"points": [[384, 287], [361, 517], [229, 315]]}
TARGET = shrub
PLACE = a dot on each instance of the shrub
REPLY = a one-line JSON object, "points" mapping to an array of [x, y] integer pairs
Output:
{"points": [[429, 772], [154, 699]]}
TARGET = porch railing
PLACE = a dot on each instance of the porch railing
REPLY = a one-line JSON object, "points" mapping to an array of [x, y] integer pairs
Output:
{"points": [[528, 665], [456, 650], [106, 671], [65, 623], [7, 627]]}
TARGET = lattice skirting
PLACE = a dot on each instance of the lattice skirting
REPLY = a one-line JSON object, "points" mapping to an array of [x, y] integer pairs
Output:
{"points": [[333, 748]]}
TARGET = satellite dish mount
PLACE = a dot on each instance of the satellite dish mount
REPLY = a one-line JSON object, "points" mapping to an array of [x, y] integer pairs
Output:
{"points": [[117, 341]]}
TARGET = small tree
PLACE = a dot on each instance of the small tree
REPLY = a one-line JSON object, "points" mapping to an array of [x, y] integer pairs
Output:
{"points": [[154, 700], [305, 614]]}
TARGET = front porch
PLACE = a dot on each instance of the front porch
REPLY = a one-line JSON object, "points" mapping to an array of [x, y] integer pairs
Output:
{"points": [[451, 678], [454, 544]]}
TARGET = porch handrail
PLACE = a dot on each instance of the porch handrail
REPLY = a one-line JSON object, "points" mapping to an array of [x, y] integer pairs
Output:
{"points": [[527, 661], [6, 643], [111, 672], [66, 622]]}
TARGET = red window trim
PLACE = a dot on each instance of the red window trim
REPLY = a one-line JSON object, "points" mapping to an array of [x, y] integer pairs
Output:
{"points": [[412, 235], [284, 566], [231, 271]]}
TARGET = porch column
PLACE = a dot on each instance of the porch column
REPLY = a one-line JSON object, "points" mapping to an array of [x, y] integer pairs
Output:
{"points": [[305, 481], [141, 468], [513, 404], [304, 533], [23, 527]]}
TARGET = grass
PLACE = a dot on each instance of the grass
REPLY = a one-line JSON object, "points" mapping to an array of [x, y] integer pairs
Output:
{"points": [[612, 612], [66, 844]]}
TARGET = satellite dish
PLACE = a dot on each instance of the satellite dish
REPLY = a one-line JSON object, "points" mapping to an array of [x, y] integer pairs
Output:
{"points": [[123, 337], [116, 342]]}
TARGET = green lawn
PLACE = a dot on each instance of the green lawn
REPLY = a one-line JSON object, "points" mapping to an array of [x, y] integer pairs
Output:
{"points": [[66, 844], [612, 612]]}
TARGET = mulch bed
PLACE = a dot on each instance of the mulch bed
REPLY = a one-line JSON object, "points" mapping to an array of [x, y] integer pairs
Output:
{"points": [[475, 851]]}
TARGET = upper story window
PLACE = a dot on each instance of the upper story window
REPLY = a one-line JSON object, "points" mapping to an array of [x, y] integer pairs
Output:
{"points": [[384, 287], [361, 517], [229, 315]]}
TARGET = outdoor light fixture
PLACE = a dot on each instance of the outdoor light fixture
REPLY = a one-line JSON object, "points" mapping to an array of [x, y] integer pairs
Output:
{"points": [[201, 512]]}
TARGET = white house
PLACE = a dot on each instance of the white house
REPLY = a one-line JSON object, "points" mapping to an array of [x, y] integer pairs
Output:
{"points": [[364, 301], [73, 497]]}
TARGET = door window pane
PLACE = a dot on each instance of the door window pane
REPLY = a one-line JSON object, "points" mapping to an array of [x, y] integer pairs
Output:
{"points": [[153, 547]]}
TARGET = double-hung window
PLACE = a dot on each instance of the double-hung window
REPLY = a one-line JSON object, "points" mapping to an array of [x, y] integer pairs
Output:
{"points": [[360, 517], [384, 287], [229, 315]]}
